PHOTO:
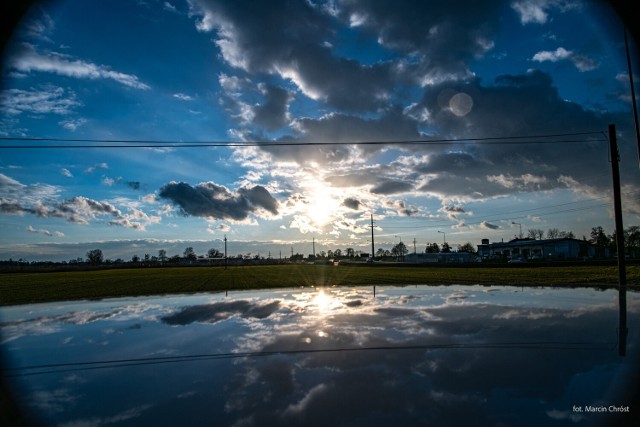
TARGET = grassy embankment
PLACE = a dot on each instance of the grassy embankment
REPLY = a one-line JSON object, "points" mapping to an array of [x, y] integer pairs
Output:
{"points": [[21, 288]]}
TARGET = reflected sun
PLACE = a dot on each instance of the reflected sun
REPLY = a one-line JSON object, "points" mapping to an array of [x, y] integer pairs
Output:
{"points": [[323, 301]]}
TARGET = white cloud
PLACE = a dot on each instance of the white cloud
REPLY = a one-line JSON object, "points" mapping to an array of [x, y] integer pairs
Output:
{"points": [[531, 12], [45, 100], [66, 172], [72, 125], [537, 11], [93, 168], [30, 229], [581, 62], [553, 56], [182, 97], [29, 60]]}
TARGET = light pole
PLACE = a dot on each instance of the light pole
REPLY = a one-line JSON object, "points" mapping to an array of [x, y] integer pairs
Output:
{"points": [[444, 237], [517, 223]]}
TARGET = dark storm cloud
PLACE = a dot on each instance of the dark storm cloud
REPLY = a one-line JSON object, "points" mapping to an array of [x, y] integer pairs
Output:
{"points": [[352, 203], [287, 38], [442, 36], [524, 104], [273, 114], [392, 187], [487, 225], [391, 125], [208, 199], [516, 105], [424, 44]]}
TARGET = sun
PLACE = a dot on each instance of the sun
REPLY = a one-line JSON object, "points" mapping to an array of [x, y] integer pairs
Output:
{"points": [[321, 205]]}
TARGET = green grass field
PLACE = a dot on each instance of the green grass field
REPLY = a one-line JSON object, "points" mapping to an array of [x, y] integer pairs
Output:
{"points": [[22, 288]]}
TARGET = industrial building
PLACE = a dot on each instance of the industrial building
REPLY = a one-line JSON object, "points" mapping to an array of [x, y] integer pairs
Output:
{"points": [[547, 249]]}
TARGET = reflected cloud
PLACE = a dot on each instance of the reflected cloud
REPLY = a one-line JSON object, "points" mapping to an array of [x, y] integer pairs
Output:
{"points": [[334, 356], [212, 313]]}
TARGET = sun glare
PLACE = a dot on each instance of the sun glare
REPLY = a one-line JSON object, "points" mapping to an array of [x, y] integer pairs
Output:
{"points": [[321, 204], [322, 300]]}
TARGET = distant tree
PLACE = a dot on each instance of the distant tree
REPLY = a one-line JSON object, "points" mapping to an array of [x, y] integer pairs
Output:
{"points": [[94, 257], [433, 248], [599, 237], [214, 253], [351, 252], [535, 233], [553, 233], [329, 253], [337, 253], [323, 254], [446, 248], [567, 235], [632, 239], [380, 252], [467, 247], [174, 259], [135, 258], [399, 250], [162, 255], [190, 254]]}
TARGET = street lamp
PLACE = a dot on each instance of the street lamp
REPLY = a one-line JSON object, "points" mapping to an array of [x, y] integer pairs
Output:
{"points": [[444, 237], [517, 223]]}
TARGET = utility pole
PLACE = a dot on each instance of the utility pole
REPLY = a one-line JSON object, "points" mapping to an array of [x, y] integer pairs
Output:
{"points": [[225, 251], [314, 247], [414, 245], [373, 254], [622, 268], [633, 95]]}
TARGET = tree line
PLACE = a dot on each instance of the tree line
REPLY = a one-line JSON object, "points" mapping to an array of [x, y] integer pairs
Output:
{"points": [[597, 237]]}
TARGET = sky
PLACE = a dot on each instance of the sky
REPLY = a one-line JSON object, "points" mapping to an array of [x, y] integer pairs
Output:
{"points": [[499, 85]]}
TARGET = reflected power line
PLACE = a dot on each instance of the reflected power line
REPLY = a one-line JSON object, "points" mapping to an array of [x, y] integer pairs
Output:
{"points": [[55, 368]]}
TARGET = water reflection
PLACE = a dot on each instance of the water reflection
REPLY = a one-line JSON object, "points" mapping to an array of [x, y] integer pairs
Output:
{"points": [[409, 356]]}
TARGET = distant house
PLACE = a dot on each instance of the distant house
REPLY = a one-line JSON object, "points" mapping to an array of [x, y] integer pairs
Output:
{"points": [[548, 249]]}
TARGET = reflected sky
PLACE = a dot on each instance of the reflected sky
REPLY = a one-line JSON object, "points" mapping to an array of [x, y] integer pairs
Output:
{"points": [[336, 356]]}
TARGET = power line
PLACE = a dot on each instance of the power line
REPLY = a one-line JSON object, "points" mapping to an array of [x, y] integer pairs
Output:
{"points": [[54, 368], [142, 143]]}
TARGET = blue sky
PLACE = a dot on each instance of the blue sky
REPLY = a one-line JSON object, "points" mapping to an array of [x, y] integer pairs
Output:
{"points": [[325, 71]]}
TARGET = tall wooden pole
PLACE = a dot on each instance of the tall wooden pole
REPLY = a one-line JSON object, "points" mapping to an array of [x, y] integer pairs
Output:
{"points": [[225, 251], [622, 268], [633, 95]]}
